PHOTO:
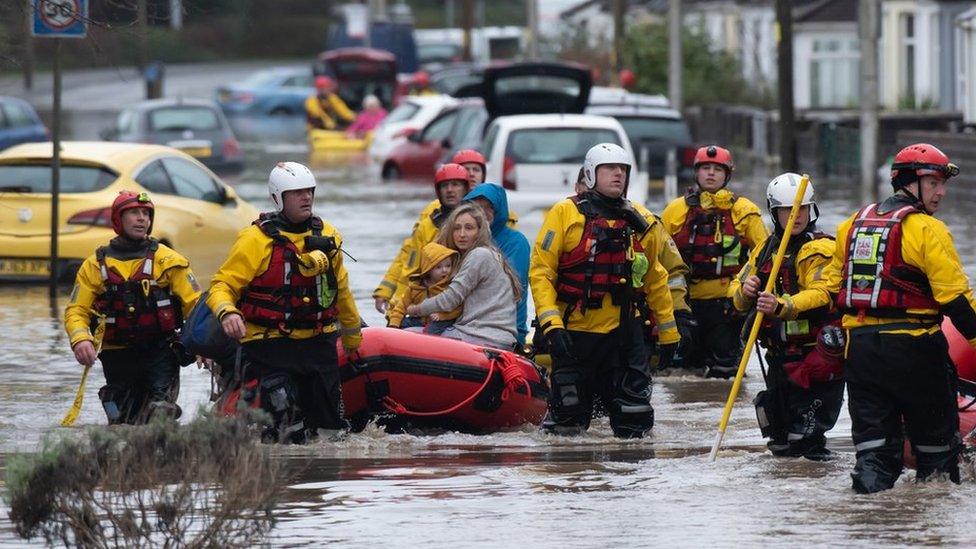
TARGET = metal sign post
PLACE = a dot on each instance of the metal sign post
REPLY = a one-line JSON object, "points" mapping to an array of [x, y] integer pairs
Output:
{"points": [[57, 19]]}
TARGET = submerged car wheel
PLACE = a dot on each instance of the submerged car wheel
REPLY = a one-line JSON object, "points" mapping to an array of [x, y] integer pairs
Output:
{"points": [[390, 171]]}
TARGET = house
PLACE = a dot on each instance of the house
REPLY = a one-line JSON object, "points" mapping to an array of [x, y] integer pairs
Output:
{"points": [[965, 35], [826, 55]]}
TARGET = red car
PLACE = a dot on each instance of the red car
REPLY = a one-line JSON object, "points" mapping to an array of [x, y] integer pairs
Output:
{"points": [[459, 127]]}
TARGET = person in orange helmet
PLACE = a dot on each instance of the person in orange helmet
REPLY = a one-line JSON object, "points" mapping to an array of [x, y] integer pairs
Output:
{"points": [[421, 84], [714, 230], [895, 272], [139, 290], [325, 110]]}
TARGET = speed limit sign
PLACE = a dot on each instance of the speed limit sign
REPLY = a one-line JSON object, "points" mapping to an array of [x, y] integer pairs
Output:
{"points": [[59, 18]]}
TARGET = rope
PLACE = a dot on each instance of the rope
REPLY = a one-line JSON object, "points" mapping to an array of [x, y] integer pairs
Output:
{"points": [[511, 375]]}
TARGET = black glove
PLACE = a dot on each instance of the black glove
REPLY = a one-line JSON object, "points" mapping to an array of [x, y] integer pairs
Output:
{"points": [[560, 344], [325, 244], [687, 329], [665, 355]]}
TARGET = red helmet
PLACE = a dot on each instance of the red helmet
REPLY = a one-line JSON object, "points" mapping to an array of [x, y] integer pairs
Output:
{"points": [[715, 155], [917, 160], [421, 78], [627, 79], [465, 156], [126, 201], [450, 172], [324, 83]]}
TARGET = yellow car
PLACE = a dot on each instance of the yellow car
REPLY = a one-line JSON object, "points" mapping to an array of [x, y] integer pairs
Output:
{"points": [[196, 213]]}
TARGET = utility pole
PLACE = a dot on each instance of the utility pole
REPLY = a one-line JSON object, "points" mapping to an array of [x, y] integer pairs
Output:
{"points": [[675, 64], [467, 21], [787, 137], [142, 27], [868, 29], [449, 19], [55, 172], [619, 29], [28, 46], [532, 24]]}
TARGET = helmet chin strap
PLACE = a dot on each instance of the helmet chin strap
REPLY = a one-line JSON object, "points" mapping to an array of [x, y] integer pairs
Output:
{"points": [[919, 198]]}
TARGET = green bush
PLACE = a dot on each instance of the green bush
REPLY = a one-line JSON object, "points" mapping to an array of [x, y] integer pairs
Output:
{"points": [[204, 484]]}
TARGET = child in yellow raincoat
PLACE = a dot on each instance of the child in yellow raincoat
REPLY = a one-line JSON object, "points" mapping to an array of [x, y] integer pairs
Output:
{"points": [[437, 266]]}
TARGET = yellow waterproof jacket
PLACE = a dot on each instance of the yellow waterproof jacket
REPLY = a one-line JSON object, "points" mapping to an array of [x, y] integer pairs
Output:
{"points": [[746, 218], [561, 232], [250, 256], [397, 276], [334, 107], [926, 244], [419, 290], [811, 260], [170, 269], [670, 258]]}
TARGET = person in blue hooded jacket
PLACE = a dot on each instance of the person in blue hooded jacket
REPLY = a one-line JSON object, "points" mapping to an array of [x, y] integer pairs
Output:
{"points": [[494, 201]]}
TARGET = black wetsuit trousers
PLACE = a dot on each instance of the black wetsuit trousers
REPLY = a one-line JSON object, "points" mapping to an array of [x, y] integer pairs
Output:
{"points": [[135, 377], [899, 383]]}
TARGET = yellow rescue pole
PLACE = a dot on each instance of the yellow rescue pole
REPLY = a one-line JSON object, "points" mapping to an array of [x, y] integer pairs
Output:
{"points": [[754, 332], [72, 415]]}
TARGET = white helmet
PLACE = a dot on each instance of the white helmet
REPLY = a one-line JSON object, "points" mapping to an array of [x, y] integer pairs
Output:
{"points": [[288, 176], [781, 192], [604, 153]]}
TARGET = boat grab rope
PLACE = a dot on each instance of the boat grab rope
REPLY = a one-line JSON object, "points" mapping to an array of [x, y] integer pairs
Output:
{"points": [[511, 376]]}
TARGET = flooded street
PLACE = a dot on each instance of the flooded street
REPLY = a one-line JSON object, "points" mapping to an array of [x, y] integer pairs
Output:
{"points": [[524, 488]]}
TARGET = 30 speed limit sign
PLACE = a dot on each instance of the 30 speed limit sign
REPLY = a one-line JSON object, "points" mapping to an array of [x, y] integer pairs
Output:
{"points": [[59, 18]]}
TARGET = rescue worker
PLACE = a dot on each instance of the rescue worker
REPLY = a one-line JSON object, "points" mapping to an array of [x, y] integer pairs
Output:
{"points": [[451, 183], [284, 292], [670, 258], [325, 110], [714, 229], [895, 271], [421, 84], [140, 290], [803, 340], [594, 286]]}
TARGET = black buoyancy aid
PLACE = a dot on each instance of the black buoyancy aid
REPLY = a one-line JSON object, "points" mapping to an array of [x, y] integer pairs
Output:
{"points": [[137, 309], [282, 297], [708, 241], [801, 331], [602, 261], [876, 278]]}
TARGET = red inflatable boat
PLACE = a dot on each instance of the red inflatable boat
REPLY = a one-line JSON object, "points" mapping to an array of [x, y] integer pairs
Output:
{"points": [[428, 381], [964, 357]]}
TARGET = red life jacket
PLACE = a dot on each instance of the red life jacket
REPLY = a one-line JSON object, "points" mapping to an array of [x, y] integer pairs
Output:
{"points": [[600, 264], [708, 242], [282, 297], [803, 330], [876, 278], [137, 309]]}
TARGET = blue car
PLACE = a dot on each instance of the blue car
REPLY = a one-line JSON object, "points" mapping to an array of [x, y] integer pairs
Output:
{"points": [[277, 92], [19, 123]]}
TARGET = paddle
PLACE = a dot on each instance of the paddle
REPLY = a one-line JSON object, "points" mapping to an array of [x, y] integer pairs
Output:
{"points": [[757, 322]]}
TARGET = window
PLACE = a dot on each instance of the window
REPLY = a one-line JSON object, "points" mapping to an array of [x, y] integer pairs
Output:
{"points": [[556, 145], [467, 131], [125, 122], [439, 129], [36, 178], [402, 113], [183, 118], [192, 182], [667, 130], [834, 72], [490, 138], [155, 179], [16, 115], [300, 81], [907, 83]]}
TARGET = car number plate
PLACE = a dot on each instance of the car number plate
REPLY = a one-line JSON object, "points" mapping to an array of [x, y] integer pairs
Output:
{"points": [[198, 152], [24, 267]]}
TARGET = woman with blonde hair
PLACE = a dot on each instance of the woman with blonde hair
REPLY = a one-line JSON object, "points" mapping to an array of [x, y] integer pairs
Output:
{"points": [[484, 284]]}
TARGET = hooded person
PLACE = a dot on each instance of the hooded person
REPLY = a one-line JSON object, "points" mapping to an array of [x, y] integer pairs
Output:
{"points": [[437, 264], [514, 246]]}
